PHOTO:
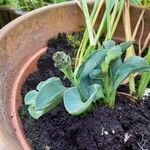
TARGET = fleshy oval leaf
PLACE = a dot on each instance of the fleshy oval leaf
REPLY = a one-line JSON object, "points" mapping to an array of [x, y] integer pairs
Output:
{"points": [[34, 113], [43, 83], [50, 94], [30, 97], [73, 100]]}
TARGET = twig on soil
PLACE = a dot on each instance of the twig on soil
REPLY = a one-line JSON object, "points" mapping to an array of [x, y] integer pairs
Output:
{"points": [[133, 98]]}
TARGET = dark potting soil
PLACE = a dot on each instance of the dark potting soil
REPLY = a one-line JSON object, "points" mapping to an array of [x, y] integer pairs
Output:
{"points": [[126, 127]]}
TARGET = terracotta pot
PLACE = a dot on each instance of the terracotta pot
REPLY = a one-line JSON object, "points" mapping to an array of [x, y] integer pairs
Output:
{"points": [[8, 14], [21, 43]]}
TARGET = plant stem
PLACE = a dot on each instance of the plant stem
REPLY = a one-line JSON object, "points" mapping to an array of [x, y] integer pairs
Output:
{"points": [[108, 19], [144, 79], [118, 17], [97, 7], [70, 75], [112, 99], [88, 22], [130, 50]]}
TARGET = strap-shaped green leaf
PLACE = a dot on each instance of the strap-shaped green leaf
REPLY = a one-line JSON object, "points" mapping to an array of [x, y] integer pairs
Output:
{"points": [[113, 53], [50, 94], [92, 61], [113, 67], [131, 65], [73, 101], [126, 45]]}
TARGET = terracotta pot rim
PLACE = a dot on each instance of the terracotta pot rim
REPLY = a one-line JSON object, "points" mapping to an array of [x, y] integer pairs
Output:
{"points": [[13, 107]]}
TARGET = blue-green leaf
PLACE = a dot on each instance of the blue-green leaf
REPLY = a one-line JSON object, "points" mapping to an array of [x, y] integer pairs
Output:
{"points": [[113, 67], [34, 113], [96, 74], [92, 61], [126, 45], [43, 83], [85, 86], [131, 65], [109, 44], [84, 83], [50, 94], [137, 2], [73, 100], [113, 53], [30, 97]]}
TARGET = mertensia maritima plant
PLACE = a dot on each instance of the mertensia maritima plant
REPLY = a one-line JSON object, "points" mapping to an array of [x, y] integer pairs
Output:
{"points": [[98, 67], [96, 81]]}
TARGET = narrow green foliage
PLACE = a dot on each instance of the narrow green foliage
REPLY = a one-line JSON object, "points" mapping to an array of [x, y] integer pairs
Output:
{"points": [[108, 23], [145, 3], [145, 78], [88, 22]]}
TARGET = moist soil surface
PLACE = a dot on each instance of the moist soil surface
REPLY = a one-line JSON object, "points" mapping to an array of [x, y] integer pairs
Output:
{"points": [[126, 127]]}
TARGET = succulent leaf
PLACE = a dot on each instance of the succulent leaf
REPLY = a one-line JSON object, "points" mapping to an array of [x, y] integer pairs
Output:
{"points": [[50, 94], [92, 62], [30, 97], [73, 101], [126, 45], [131, 65]]}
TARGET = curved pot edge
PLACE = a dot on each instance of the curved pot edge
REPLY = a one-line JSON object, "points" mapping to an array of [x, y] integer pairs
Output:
{"points": [[28, 67]]}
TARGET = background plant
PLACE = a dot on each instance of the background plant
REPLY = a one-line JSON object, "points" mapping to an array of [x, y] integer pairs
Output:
{"points": [[131, 51], [141, 2], [28, 5], [145, 78]]}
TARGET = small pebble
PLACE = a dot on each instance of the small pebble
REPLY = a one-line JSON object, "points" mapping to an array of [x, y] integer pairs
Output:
{"points": [[113, 131], [146, 93], [106, 132]]}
